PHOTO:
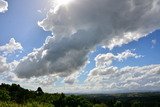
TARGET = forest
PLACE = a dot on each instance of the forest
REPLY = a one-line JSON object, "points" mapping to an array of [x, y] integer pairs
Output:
{"points": [[15, 96]]}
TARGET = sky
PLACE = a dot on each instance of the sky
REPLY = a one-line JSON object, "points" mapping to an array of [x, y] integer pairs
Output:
{"points": [[81, 46]]}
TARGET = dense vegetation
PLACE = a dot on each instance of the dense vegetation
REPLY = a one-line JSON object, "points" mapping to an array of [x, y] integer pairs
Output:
{"points": [[16, 96], [146, 99]]}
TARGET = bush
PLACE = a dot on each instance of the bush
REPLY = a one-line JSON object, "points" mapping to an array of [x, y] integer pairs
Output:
{"points": [[4, 95], [118, 104], [100, 105]]}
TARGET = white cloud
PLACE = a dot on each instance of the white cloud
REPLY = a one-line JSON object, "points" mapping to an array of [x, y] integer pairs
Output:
{"points": [[145, 78], [154, 42], [111, 78], [103, 78], [107, 59], [5, 66], [81, 25], [104, 62], [72, 78], [3, 6], [39, 11], [11, 47], [6, 49], [43, 80], [120, 23]]}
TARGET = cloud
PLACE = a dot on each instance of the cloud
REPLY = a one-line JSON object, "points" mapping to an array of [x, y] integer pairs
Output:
{"points": [[103, 78], [48, 80], [104, 62], [3, 6], [5, 66], [154, 42], [107, 59], [111, 78], [63, 58], [11, 47], [81, 25], [6, 49], [72, 78], [39, 11]]}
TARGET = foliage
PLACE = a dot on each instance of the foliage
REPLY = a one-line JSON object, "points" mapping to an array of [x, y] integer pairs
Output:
{"points": [[118, 104], [4, 95], [31, 104], [39, 91], [16, 96], [136, 104], [100, 105]]}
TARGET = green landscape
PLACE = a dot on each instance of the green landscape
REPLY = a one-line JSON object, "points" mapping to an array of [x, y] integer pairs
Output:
{"points": [[16, 96]]}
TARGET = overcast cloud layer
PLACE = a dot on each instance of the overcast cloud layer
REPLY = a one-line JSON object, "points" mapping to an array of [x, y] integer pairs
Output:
{"points": [[78, 27], [3, 6]]}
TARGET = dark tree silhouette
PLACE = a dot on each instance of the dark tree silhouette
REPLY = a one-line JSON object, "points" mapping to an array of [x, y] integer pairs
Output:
{"points": [[39, 91]]}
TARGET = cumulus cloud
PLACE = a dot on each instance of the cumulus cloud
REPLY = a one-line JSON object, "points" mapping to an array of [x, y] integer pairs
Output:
{"points": [[3, 6], [72, 78], [48, 80], [107, 59], [104, 62], [5, 66], [146, 78], [11, 47], [111, 78], [79, 26], [6, 49], [56, 59]]}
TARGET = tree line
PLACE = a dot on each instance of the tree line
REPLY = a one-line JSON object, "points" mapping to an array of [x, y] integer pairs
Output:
{"points": [[15, 94]]}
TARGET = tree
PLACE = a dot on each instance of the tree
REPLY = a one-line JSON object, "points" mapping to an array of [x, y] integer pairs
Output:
{"points": [[4, 95], [39, 91], [136, 104], [118, 104]]}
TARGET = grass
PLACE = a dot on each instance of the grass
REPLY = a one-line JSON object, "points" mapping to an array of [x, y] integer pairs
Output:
{"points": [[33, 104]]}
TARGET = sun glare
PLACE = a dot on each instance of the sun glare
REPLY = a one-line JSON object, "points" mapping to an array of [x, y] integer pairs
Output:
{"points": [[63, 2], [58, 3]]}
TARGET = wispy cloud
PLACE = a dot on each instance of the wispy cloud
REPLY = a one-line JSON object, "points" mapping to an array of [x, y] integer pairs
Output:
{"points": [[154, 42]]}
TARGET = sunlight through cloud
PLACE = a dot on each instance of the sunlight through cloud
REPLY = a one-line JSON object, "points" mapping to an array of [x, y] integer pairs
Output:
{"points": [[58, 3]]}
